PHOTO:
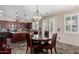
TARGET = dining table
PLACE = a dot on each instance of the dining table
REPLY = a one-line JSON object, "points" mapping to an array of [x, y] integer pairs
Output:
{"points": [[36, 39], [40, 39]]}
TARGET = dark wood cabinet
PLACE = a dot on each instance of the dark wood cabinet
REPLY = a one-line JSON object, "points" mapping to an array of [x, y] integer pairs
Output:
{"points": [[18, 37], [18, 25]]}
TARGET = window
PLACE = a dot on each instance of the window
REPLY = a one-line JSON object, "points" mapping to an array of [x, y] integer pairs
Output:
{"points": [[1, 12], [48, 25], [35, 25], [45, 27], [71, 23]]}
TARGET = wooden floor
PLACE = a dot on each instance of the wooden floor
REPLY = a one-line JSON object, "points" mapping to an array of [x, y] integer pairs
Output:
{"points": [[62, 48]]}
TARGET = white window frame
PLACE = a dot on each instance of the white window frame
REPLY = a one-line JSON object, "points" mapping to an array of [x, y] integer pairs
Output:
{"points": [[70, 15], [52, 19], [35, 26]]}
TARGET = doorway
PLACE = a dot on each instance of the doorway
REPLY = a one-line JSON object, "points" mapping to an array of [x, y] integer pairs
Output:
{"points": [[48, 27]]}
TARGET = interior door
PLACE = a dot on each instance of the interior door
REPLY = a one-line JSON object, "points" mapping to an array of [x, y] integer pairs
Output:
{"points": [[48, 27]]}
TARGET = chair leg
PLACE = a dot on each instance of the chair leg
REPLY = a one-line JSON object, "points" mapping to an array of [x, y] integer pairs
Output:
{"points": [[51, 50], [27, 49], [55, 50], [48, 51], [30, 50]]}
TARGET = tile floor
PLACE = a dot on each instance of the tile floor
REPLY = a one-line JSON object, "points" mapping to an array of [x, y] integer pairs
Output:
{"points": [[62, 48]]}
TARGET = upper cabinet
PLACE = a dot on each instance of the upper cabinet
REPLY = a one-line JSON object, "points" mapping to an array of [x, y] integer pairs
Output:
{"points": [[71, 23]]}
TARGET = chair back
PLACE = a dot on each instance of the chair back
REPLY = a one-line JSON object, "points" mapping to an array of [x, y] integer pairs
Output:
{"points": [[28, 39], [53, 41], [3, 36], [35, 32], [9, 35]]}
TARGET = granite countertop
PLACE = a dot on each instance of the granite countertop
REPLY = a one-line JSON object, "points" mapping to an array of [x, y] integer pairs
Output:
{"points": [[20, 32]]}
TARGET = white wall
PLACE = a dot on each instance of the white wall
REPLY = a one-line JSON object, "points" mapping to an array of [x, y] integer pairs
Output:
{"points": [[69, 38], [13, 19]]}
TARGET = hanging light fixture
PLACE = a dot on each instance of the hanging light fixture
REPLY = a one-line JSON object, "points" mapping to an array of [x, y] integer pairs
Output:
{"points": [[37, 15], [17, 16]]}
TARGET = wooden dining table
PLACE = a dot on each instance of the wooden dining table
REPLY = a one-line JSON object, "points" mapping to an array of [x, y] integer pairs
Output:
{"points": [[40, 40]]}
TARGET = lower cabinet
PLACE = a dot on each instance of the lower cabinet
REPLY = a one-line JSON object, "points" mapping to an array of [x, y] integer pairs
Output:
{"points": [[18, 37]]}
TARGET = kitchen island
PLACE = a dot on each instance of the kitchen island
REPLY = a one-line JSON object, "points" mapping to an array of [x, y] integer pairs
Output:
{"points": [[19, 36]]}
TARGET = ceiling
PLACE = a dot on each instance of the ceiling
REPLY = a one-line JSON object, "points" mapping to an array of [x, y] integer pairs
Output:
{"points": [[28, 10]]}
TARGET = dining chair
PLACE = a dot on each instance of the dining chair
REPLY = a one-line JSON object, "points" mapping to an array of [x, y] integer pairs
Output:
{"points": [[35, 32], [52, 44], [30, 44], [4, 48]]}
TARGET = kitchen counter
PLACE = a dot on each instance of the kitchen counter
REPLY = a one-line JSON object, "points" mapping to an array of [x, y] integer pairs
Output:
{"points": [[19, 36], [20, 32]]}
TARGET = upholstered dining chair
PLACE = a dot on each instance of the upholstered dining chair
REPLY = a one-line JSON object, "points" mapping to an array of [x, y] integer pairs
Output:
{"points": [[29, 43], [52, 45]]}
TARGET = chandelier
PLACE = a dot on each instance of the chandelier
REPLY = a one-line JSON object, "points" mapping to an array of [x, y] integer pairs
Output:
{"points": [[19, 17], [37, 15]]}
